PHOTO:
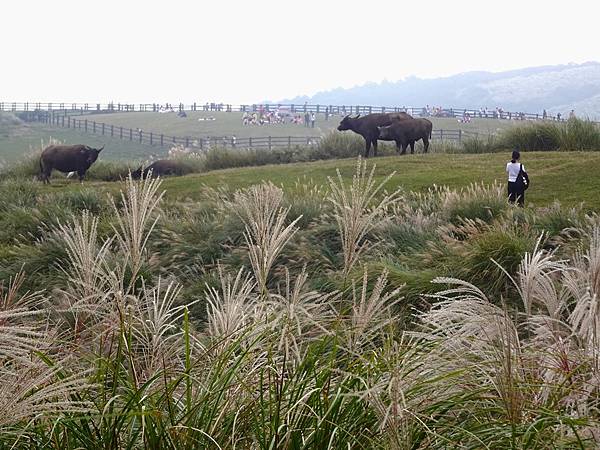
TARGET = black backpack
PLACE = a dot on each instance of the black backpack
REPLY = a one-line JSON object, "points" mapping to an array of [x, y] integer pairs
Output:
{"points": [[523, 178]]}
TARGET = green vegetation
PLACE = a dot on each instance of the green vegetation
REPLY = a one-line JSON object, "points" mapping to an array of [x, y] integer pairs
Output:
{"points": [[333, 313], [226, 124], [575, 134], [20, 139]]}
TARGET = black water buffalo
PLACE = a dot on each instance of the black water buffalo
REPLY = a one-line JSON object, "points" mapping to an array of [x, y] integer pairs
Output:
{"points": [[159, 168], [367, 126], [407, 132], [67, 158]]}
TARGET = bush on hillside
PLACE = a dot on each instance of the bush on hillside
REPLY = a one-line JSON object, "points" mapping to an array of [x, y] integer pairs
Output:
{"points": [[575, 134], [8, 120]]}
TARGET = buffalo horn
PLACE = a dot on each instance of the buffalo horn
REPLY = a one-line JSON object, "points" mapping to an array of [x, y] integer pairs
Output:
{"points": [[100, 149]]}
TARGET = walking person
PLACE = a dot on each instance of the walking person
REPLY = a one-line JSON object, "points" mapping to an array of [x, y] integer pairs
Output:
{"points": [[518, 180], [312, 119]]}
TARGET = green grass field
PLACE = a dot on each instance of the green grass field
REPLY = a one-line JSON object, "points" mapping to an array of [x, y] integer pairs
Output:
{"points": [[570, 178], [20, 140], [285, 318], [226, 124]]}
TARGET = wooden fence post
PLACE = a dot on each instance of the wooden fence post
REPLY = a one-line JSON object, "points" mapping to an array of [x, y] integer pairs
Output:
{"points": [[151, 138], [112, 130], [121, 133], [162, 140], [85, 125], [140, 132], [269, 142], [459, 136], [94, 127], [250, 142], [289, 142], [131, 134]]}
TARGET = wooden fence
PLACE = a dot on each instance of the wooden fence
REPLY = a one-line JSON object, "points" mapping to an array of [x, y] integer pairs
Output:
{"points": [[202, 143], [162, 140], [103, 108]]}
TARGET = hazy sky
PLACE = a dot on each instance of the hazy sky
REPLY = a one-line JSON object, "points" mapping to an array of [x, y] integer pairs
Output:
{"points": [[248, 51]]}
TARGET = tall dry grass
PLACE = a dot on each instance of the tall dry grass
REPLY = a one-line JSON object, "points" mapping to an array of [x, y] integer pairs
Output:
{"points": [[357, 210], [281, 362]]}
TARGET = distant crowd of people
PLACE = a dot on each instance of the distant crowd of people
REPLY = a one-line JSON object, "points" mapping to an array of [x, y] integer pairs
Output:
{"points": [[464, 116], [263, 117]]}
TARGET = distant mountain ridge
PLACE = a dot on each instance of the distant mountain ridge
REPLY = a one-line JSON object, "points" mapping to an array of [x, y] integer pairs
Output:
{"points": [[557, 88]]}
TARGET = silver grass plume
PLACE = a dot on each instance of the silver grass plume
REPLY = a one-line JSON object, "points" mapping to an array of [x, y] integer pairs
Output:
{"points": [[356, 210], [136, 220], [260, 208]]}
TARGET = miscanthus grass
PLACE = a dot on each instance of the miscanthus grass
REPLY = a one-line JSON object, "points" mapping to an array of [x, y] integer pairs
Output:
{"points": [[109, 356], [357, 210]]}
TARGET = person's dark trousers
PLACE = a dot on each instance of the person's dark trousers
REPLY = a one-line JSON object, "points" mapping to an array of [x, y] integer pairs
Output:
{"points": [[516, 193]]}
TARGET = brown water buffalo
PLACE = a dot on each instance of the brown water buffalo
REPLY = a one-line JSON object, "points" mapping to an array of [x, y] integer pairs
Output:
{"points": [[367, 126], [407, 132], [159, 168], [67, 158]]}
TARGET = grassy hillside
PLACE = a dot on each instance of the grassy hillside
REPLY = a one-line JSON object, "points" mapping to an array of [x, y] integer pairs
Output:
{"points": [[327, 315], [226, 124], [18, 139], [570, 178]]}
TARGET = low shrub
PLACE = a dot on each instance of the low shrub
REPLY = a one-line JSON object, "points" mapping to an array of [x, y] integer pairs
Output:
{"points": [[488, 254], [16, 192], [579, 134], [477, 201], [8, 120], [575, 134]]}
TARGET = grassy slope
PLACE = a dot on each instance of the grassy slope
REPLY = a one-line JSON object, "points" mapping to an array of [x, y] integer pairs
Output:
{"points": [[18, 141], [231, 123], [570, 178]]}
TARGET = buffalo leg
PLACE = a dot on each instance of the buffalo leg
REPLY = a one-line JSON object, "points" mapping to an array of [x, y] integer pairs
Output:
{"points": [[81, 175], [398, 146], [412, 147], [404, 145], [374, 147], [425, 144], [367, 147]]}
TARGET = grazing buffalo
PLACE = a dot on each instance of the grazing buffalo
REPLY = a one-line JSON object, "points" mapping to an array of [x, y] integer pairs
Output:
{"points": [[67, 158], [367, 126], [159, 168], [407, 132]]}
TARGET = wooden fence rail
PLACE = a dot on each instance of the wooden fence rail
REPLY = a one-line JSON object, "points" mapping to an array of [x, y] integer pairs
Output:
{"points": [[103, 108], [139, 136]]}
